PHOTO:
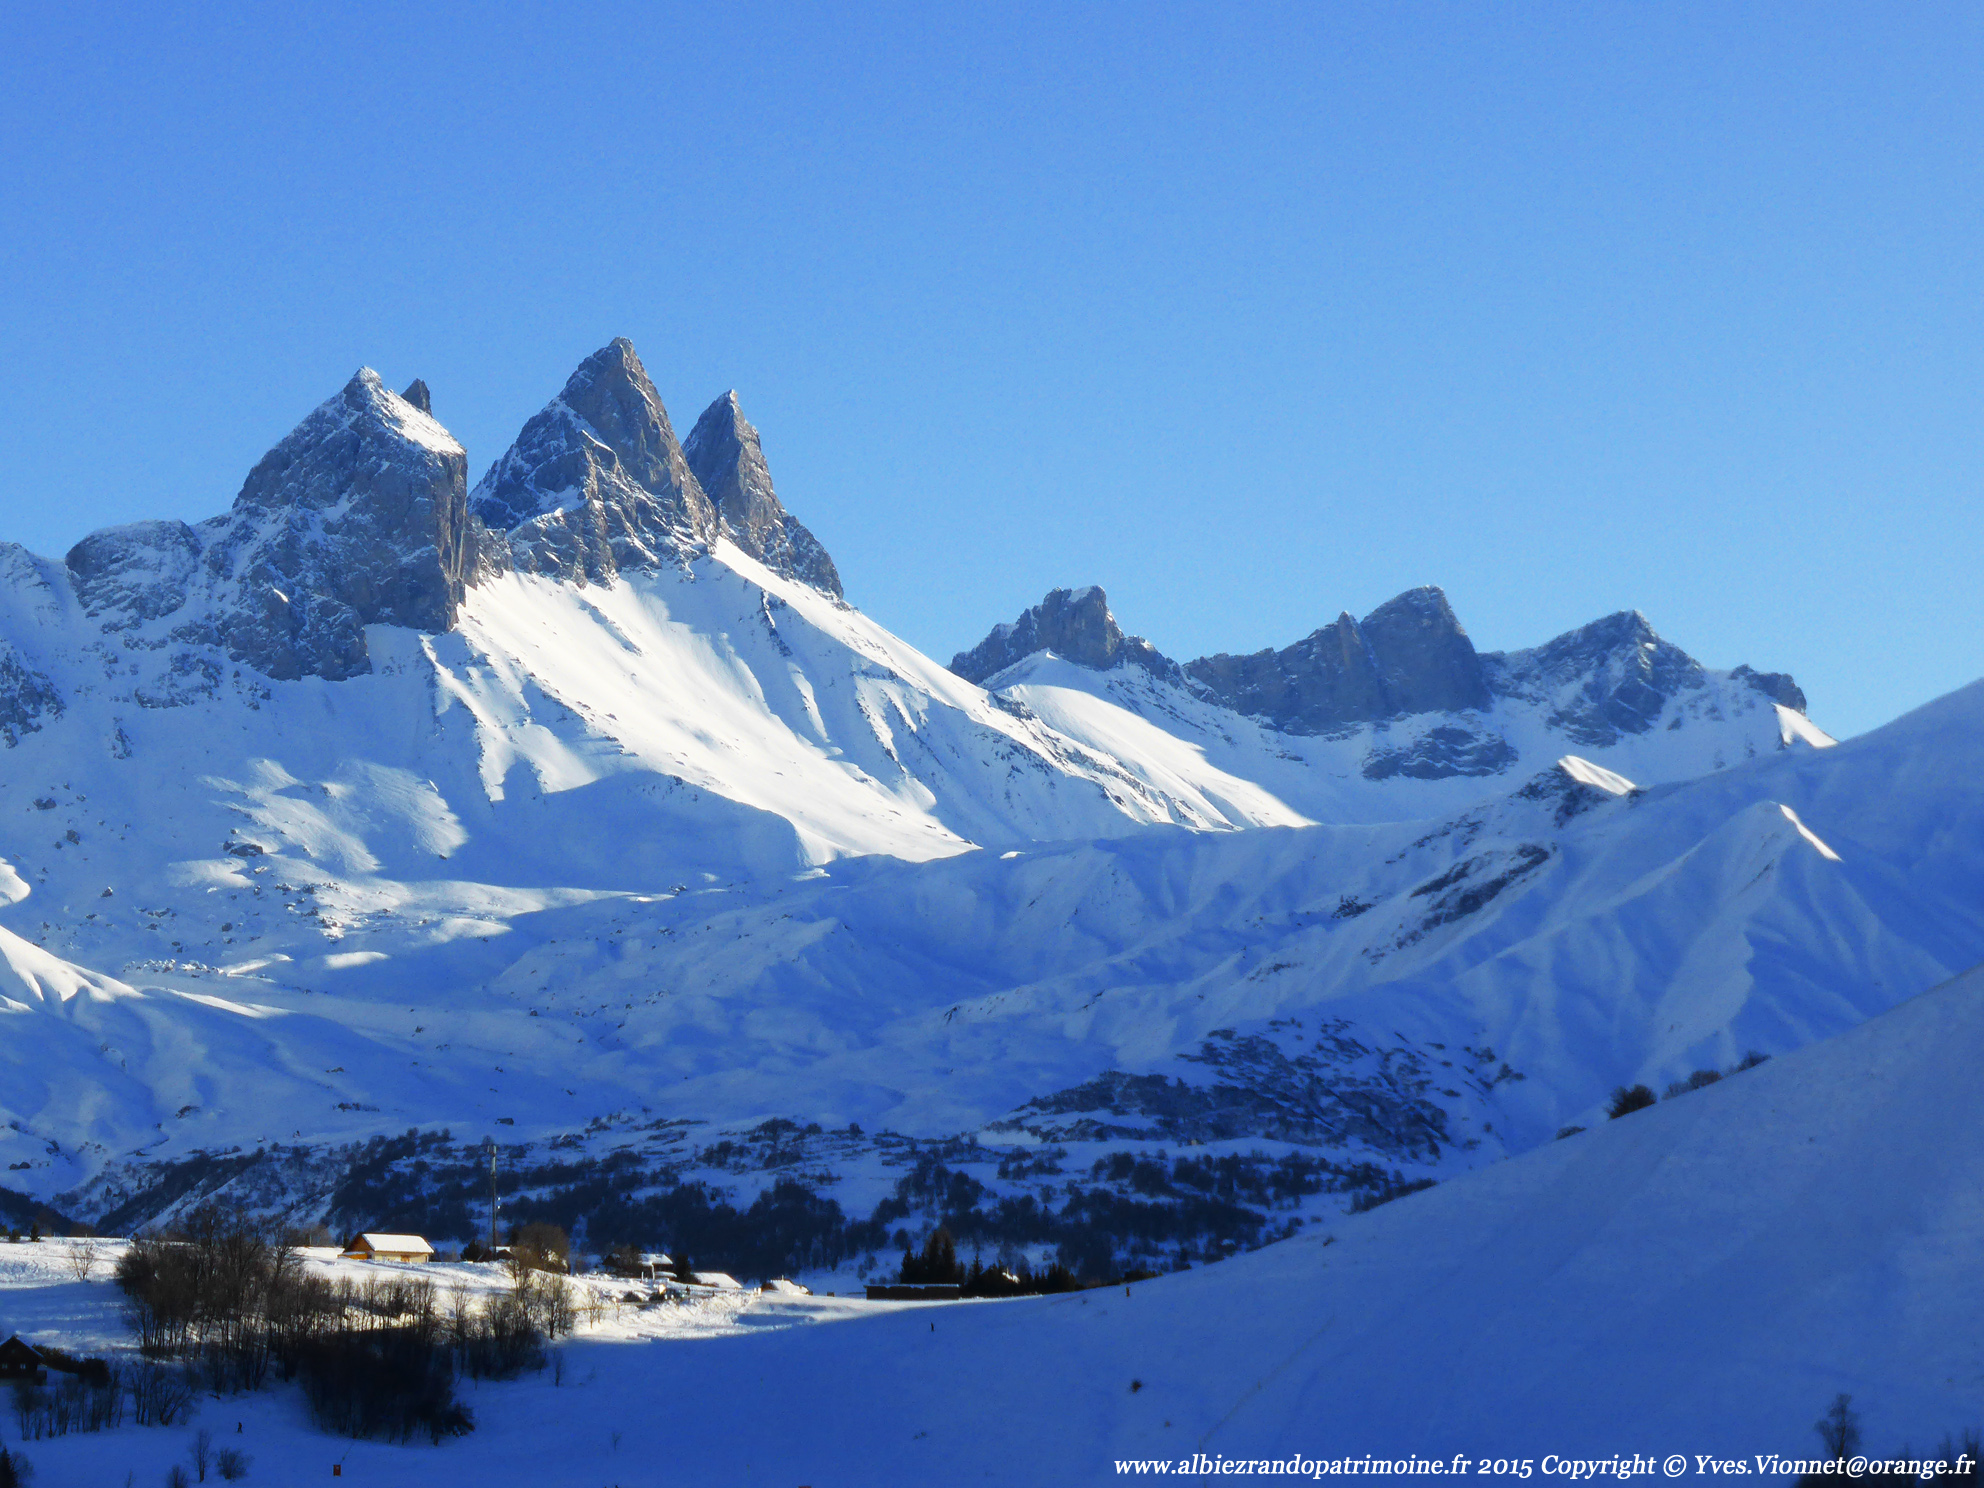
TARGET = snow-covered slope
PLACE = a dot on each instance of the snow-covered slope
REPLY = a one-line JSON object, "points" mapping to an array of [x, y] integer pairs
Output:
{"points": [[1425, 996], [1701, 1279]]}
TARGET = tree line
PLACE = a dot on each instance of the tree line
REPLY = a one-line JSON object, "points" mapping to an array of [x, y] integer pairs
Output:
{"points": [[230, 1304]]}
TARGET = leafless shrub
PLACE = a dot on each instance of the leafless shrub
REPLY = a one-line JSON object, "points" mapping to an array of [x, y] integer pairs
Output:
{"points": [[84, 1253]]}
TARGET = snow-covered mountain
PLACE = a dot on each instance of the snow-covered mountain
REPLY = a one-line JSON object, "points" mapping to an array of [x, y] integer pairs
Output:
{"points": [[1394, 717], [584, 802]]}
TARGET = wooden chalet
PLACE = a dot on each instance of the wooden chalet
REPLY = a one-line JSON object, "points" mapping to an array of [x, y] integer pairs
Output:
{"points": [[373, 1246], [644, 1265], [20, 1362]]}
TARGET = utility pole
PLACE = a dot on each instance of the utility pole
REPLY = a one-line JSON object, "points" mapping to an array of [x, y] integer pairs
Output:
{"points": [[489, 1146]]}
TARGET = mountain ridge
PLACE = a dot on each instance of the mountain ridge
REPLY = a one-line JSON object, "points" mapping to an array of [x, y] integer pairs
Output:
{"points": [[1409, 655]]}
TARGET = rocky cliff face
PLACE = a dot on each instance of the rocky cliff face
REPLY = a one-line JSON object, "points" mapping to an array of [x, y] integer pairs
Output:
{"points": [[724, 453], [1409, 655], [596, 482], [27, 697], [358, 517], [1424, 659], [1072, 623]]}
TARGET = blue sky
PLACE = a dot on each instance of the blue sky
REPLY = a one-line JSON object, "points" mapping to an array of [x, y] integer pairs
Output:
{"points": [[1250, 314]]}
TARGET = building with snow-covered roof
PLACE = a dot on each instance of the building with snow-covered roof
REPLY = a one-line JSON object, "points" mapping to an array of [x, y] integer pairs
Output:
{"points": [[19, 1360], [642, 1265], [376, 1246]]}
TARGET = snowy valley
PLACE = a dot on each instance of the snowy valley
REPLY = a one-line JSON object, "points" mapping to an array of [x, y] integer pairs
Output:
{"points": [[581, 809]]}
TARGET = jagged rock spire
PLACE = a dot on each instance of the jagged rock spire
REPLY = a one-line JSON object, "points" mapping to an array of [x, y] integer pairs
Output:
{"points": [[729, 463], [597, 482], [1074, 624], [416, 394]]}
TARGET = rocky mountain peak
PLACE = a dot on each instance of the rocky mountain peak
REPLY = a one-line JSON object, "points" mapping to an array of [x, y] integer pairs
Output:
{"points": [[1409, 655], [1076, 625], [1426, 660], [357, 517], [416, 394], [728, 461], [1615, 677], [596, 481], [1777, 686]]}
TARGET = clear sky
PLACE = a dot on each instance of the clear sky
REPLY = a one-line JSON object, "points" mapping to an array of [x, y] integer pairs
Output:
{"points": [[1249, 313]]}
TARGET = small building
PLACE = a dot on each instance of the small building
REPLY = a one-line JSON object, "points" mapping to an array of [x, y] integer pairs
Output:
{"points": [[643, 1265], [19, 1361], [717, 1281], [785, 1287], [373, 1246]]}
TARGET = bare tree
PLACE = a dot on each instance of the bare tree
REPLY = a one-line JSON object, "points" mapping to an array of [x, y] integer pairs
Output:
{"points": [[84, 1252], [202, 1452], [1839, 1428], [539, 1247]]}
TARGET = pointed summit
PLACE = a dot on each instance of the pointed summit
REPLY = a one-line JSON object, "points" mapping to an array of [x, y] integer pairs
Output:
{"points": [[1409, 655], [1076, 625], [729, 463], [1604, 680], [596, 482], [416, 394], [1428, 663], [359, 517]]}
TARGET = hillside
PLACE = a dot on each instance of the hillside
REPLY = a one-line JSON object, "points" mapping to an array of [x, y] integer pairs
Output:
{"points": [[1699, 1278]]}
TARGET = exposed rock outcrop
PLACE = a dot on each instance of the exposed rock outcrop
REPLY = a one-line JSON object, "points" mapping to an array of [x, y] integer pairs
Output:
{"points": [[1426, 661], [358, 518], [128, 575], [1074, 624], [596, 482], [1612, 677], [1441, 753], [26, 696], [362, 516], [1777, 686], [729, 463], [1407, 658], [1409, 655]]}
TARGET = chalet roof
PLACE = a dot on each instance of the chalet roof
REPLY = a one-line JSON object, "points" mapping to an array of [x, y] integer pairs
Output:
{"points": [[374, 1240], [17, 1350], [721, 1280]]}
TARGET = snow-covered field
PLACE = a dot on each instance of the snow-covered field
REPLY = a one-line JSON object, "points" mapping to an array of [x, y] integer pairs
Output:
{"points": [[1702, 1277]]}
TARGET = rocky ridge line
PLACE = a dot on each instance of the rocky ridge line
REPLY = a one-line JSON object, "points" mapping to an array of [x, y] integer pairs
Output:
{"points": [[361, 516], [1409, 656]]}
